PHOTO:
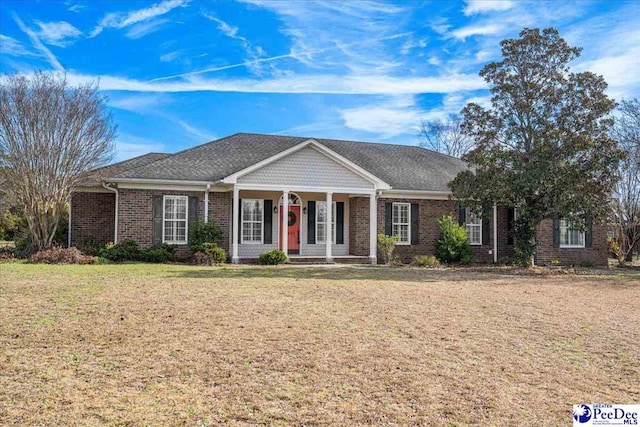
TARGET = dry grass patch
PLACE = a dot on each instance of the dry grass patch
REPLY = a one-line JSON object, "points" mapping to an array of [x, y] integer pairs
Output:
{"points": [[150, 345]]}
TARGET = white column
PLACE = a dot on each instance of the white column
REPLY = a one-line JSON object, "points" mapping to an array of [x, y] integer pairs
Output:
{"points": [[236, 226], [495, 233], [285, 223], [373, 227], [329, 232], [206, 204]]}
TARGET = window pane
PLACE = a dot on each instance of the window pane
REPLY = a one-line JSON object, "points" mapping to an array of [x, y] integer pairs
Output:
{"points": [[321, 233], [168, 231], [322, 212]]}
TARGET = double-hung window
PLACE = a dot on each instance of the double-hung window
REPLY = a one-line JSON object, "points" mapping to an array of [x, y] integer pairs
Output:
{"points": [[570, 235], [321, 222], [474, 227], [401, 222], [252, 221], [174, 226]]}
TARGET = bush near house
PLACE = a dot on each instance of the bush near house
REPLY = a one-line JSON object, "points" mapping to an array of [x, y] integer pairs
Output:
{"points": [[127, 250], [273, 257], [157, 253], [428, 261], [201, 232], [61, 256], [386, 246], [452, 246], [208, 253]]}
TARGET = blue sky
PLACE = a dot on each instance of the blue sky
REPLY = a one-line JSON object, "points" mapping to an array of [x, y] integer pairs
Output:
{"points": [[179, 73]]}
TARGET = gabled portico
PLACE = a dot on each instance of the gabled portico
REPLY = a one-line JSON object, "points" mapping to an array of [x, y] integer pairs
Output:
{"points": [[312, 185]]}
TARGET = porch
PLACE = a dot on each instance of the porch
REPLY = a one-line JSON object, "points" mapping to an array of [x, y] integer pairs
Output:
{"points": [[319, 227]]}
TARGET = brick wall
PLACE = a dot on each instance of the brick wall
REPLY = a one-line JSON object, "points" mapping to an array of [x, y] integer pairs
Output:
{"points": [[220, 211], [92, 217], [359, 226], [546, 252]]}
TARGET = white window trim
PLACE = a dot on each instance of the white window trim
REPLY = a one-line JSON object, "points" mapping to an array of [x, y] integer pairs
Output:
{"points": [[335, 223], [475, 225], [186, 220], [566, 226], [251, 242], [408, 242]]}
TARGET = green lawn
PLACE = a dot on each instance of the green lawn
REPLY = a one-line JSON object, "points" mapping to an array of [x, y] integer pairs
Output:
{"points": [[169, 344]]}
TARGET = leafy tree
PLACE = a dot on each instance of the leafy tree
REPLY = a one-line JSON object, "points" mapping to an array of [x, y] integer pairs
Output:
{"points": [[446, 137], [52, 136], [543, 146]]}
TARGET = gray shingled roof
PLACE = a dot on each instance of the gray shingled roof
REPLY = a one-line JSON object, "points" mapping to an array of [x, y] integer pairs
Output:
{"points": [[125, 165], [401, 166]]}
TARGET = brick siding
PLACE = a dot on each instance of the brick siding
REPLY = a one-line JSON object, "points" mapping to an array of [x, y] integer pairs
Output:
{"points": [[92, 217], [546, 252]]}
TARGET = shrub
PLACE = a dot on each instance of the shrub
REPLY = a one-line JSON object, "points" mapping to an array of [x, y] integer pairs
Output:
{"points": [[157, 253], [201, 232], [62, 256], [426, 261], [587, 264], [23, 244], [127, 250], [386, 246], [209, 254], [7, 253], [90, 246], [452, 246], [11, 224], [273, 257]]}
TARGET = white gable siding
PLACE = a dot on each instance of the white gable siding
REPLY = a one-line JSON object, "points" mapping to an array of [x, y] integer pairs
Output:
{"points": [[307, 167]]}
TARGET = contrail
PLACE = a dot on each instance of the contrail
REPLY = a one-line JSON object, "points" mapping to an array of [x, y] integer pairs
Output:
{"points": [[275, 58]]}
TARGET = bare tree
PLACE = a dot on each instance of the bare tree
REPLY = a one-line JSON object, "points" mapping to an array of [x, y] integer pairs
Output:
{"points": [[445, 137], [52, 136], [626, 214]]}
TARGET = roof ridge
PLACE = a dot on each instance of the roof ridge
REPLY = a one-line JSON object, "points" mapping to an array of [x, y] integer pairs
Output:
{"points": [[353, 141]]}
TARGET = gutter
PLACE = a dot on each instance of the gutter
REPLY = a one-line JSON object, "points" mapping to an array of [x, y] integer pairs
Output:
{"points": [[115, 227]]}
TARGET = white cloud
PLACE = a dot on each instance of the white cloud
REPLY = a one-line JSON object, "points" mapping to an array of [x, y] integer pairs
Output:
{"points": [[387, 119], [476, 30], [122, 20], [35, 40], [197, 133], [170, 56], [139, 103], [13, 47], [59, 33], [483, 6], [318, 83], [144, 28], [126, 149]]}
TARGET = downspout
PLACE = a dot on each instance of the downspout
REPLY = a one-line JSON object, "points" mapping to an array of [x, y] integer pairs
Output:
{"points": [[495, 233], [115, 228], [69, 224], [206, 204]]}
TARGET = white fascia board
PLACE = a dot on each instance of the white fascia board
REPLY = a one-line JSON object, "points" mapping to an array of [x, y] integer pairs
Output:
{"points": [[157, 181], [380, 184], [304, 189], [416, 194]]}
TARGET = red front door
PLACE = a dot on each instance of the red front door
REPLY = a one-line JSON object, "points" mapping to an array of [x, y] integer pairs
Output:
{"points": [[294, 229]]}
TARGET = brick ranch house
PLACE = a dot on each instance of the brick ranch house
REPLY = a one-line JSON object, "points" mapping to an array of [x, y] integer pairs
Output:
{"points": [[338, 195]]}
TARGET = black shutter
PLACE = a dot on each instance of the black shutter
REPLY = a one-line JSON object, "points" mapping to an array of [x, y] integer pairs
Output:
{"points": [[157, 219], [193, 212], [268, 221], [415, 223], [340, 223], [588, 233], [462, 215], [485, 230], [556, 232], [311, 222], [239, 217], [388, 219], [510, 225]]}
